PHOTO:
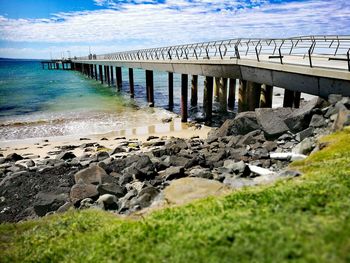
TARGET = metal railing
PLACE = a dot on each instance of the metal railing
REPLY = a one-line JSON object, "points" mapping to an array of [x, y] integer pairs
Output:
{"points": [[332, 48]]}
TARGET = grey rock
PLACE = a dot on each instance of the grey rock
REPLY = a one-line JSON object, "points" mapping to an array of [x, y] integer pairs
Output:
{"points": [[305, 146], [317, 121], [239, 168], [198, 171], [145, 197], [270, 145], [91, 175], [111, 188], [47, 202], [118, 149], [65, 156], [334, 98], [153, 143], [272, 121], [174, 172], [81, 191], [175, 145], [289, 173], [237, 183], [86, 203], [64, 208], [342, 120], [304, 134], [13, 157], [107, 202], [100, 156]]}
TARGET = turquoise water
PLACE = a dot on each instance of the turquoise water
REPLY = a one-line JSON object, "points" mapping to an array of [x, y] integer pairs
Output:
{"points": [[44, 103]]}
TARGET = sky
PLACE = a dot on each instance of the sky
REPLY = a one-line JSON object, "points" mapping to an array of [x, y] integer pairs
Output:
{"points": [[56, 28]]}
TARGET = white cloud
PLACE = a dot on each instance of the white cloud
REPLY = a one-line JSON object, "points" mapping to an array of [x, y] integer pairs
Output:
{"points": [[178, 21]]}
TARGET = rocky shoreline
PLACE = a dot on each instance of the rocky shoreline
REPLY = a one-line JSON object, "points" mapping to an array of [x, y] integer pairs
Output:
{"points": [[251, 149]]}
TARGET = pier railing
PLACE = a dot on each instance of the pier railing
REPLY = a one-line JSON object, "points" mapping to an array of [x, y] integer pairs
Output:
{"points": [[279, 50]]}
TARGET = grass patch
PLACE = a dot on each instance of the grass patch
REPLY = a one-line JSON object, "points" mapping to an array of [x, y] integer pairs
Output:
{"points": [[306, 219]]}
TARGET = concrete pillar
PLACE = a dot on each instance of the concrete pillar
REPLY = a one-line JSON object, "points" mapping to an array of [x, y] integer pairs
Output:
{"points": [[253, 98], [266, 96], [57, 66], [288, 99], [95, 69], [216, 88], [111, 74], [149, 87], [108, 75], [171, 90], [231, 94], [100, 73], [131, 82], [119, 77], [296, 101], [208, 98], [194, 90], [184, 97], [63, 66], [222, 87], [242, 96]]}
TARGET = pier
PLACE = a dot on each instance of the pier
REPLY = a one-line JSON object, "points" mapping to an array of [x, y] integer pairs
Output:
{"points": [[317, 65]]}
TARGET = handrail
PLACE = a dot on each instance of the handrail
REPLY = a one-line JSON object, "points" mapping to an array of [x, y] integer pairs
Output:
{"points": [[334, 46]]}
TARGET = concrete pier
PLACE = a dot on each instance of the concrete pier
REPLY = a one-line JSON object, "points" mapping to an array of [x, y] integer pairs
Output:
{"points": [[231, 94], [171, 90], [112, 74], [100, 73], [149, 87], [296, 101], [222, 87], [288, 99], [242, 96], [194, 90], [95, 69], [131, 82], [253, 96], [208, 98], [184, 97]]}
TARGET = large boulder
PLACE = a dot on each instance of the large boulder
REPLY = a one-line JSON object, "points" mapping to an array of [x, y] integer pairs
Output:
{"points": [[13, 157], [272, 121], [185, 190], [91, 175], [81, 191], [342, 120], [46, 202], [174, 172]]}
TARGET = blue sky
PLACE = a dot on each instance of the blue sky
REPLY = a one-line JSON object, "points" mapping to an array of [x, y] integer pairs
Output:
{"points": [[45, 28]]}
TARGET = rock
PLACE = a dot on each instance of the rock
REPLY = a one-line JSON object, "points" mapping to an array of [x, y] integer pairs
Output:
{"points": [[179, 161], [91, 175], [86, 203], [251, 138], [140, 166], [118, 149], [65, 156], [317, 121], [145, 197], [238, 154], [107, 202], [305, 146], [272, 121], [198, 171], [213, 159], [239, 168], [64, 208], [47, 202], [100, 156], [30, 163], [153, 143], [81, 191], [287, 156], [175, 145], [13, 157], [260, 171], [342, 120], [111, 188], [270, 145], [151, 137], [304, 134], [174, 172], [289, 173], [237, 183], [167, 120], [300, 118], [185, 190], [334, 98]]}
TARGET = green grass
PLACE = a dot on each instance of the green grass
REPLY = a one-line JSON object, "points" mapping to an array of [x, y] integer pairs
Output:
{"points": [[306, 219]]}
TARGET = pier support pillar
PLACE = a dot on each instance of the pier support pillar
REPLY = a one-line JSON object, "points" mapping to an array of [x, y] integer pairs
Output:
{"points": [[149, 87], [222, 87], [296, 102], [111, 74], [171, 90], [95, 69], [231, 94], [216, 88], [194, 90], [184, 97], [288, 99], [119, 77], [131, 82], [242, 96], [208, 98], [108, 76], [57, 66], [266, 96], [253, 98], [100, 73]]}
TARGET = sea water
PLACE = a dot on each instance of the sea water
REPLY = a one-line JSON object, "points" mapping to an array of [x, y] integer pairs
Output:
{"points": [[43, 103]]}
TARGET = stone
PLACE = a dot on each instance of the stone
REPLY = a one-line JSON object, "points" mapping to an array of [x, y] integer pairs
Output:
{"points": [[289, 173], [175, 145], [174, 172], [47, 202], [153, 143], [272, 121], [151, 137], [238, 153], [187, 189], [304, 134], [236, 183], [91, 175], [287, 156], [305, 146], [64, 156], [317, 121], [111, 188], [13, 157], [239, 168], [81, 191], [342, 120], [270, 145], [64, 208], [300, 118], [86, 203], [251, 138], [107, 202], [198, 171], [213, 159], [334, 98], [260, 171], [102, 155], [180, 161], [118, 149], [145, 197]]}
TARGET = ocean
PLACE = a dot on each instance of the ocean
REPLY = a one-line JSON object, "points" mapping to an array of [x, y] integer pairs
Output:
{"points": [[37, 103]]}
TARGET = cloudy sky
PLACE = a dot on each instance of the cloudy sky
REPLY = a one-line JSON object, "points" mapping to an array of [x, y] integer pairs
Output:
{"points": [[44, 28]]}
